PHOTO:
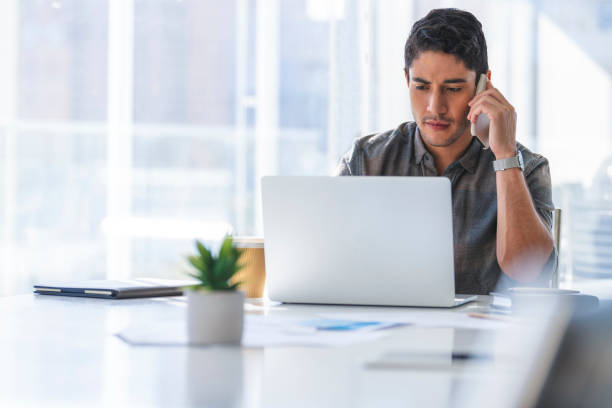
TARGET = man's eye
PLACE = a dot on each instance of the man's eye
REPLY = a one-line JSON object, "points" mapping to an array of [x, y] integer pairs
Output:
{"points": [[454, 89], [420, 87]]}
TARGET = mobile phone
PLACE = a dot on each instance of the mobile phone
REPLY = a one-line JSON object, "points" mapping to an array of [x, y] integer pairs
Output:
{"points": [[480, 129]]}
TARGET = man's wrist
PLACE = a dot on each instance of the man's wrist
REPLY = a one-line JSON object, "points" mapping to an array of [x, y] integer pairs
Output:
{"points": [[505, 154], [510, 171]]}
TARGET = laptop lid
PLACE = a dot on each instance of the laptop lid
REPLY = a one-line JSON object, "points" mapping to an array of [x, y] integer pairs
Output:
{"points": [[359, 240]]}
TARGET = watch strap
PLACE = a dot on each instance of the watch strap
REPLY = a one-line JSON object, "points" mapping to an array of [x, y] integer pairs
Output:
{"points": [[509, 163]]}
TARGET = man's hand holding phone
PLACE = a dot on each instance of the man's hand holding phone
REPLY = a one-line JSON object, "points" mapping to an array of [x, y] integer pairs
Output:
{"points": [[502, 117]]}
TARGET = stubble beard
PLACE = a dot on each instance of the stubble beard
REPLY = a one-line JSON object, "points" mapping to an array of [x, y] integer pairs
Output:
{"points": [[454, 137]]}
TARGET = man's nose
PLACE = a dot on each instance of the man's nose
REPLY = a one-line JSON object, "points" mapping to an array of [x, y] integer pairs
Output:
{"points": [[437, 103]]}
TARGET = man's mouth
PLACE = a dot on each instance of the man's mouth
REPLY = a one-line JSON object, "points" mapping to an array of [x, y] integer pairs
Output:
{"points": [[437, 125]]}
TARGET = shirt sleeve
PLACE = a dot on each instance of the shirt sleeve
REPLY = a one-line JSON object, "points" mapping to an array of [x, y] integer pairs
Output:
{"points": [[343, 168], [349, 162], [540, 188]]}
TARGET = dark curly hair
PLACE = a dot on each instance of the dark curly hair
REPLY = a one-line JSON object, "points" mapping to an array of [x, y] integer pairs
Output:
{"points": [[452, 31]]}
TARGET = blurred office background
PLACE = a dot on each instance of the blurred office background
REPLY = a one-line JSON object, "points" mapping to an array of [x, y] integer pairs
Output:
{"points": [[130, 127]]}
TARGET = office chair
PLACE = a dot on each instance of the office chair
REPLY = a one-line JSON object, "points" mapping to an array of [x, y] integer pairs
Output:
{"points": [[554, 279]]}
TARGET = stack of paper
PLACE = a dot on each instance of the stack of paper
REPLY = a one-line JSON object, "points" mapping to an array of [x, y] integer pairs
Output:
{"points": [[266, 331]]}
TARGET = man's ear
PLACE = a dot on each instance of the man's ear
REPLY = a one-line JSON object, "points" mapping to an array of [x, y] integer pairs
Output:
{"points": [[489, 74]]}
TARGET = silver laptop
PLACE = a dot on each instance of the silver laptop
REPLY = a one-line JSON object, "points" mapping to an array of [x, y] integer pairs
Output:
{"points": [[359, 240]]}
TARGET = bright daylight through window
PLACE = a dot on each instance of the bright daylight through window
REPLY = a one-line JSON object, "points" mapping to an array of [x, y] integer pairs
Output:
{"points": [[130, 127]]}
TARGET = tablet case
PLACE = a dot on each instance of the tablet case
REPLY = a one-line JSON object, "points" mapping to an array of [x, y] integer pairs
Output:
{"points": [[115, 289]]}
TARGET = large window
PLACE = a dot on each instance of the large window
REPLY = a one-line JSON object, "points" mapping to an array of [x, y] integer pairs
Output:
{"points": [[130, 127]]}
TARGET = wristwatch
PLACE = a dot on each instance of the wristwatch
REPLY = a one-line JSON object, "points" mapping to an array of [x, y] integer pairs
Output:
{"points": [[509, 163]]}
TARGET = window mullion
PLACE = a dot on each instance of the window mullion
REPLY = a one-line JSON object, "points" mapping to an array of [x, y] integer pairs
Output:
{"points": [[119, 147]]}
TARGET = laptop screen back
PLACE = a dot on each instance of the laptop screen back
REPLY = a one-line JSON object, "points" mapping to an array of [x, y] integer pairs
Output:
{"points": [[359, 240]]}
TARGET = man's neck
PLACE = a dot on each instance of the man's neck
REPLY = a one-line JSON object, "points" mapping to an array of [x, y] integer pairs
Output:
{"points": [[445, 155]]}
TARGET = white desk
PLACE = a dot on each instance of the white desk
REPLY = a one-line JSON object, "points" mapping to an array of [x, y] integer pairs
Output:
{"points": [[61, 351]]}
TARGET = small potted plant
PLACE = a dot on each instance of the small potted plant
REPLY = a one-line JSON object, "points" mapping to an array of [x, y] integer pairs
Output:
{"points": [[214, 305]]}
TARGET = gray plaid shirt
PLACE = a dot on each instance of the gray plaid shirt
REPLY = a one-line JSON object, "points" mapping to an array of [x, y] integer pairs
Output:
{"points": [[401, 152]]}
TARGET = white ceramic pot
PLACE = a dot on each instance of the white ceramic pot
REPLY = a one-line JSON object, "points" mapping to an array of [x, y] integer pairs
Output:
{"points": [[214, 317]]}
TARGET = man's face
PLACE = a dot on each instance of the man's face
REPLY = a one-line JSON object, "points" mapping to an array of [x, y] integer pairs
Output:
{"points": [[440, 88]]}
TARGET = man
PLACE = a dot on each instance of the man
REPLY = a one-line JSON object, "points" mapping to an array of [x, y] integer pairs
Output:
{"points": [[502, 218]]}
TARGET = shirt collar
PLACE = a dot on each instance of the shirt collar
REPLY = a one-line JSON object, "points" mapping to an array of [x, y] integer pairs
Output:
{"points": [[468, 160], [419, 147]]}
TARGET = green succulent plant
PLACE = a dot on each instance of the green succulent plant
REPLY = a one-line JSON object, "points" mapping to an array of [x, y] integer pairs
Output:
{"points": [[215, 272]]}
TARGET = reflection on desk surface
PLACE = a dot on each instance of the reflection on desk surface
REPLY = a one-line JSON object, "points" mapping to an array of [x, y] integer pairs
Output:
{"points": [[63, 352]]}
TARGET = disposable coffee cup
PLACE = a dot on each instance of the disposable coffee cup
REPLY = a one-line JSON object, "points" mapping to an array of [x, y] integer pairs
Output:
{"points": [[253, 275]]}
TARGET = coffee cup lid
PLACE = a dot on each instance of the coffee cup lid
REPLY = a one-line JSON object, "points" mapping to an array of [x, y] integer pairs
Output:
{"points": [[248, 242]]}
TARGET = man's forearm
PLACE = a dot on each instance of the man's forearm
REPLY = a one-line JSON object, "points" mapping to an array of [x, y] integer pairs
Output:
{"points": [[523, 242]]}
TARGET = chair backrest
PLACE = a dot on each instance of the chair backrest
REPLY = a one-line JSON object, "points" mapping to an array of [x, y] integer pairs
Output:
{"points": [[554, 280]]}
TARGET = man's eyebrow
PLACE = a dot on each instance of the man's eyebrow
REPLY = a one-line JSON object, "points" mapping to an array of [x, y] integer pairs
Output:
{"points": [[417, 79], [454, 81], [446, 81]]}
